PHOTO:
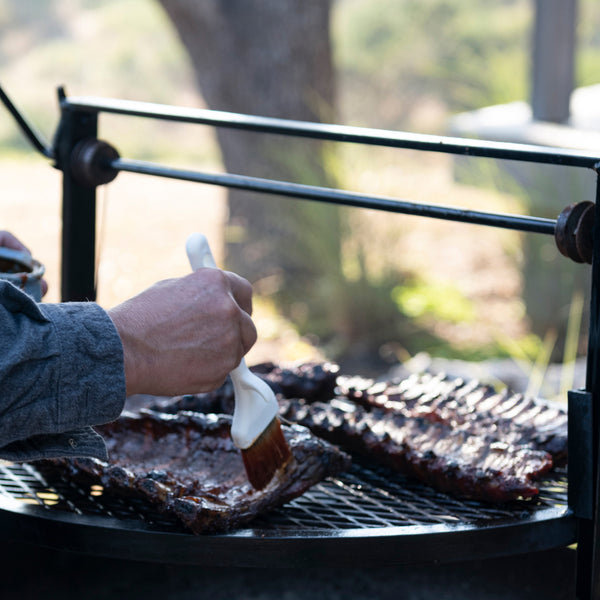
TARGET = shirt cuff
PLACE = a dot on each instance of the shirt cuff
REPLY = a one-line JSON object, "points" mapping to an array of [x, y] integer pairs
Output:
{"points": [[83, 442], [91, 385]]}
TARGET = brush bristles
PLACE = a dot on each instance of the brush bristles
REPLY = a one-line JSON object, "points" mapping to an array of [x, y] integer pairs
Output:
{"points": [[269, 453]]}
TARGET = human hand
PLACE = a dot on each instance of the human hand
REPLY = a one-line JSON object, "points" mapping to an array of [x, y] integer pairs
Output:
{"points": [[184, 336], [8, 240]]}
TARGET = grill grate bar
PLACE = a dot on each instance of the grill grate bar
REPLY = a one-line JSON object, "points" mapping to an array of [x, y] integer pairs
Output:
{"points": [[345, 506], [313, 510], [51, 491], [87, 498], [426, 504], [347, 501], [18, 487], [355, 491]]}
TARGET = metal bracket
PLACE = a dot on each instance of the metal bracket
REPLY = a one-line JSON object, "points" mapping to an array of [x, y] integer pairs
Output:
{"points": [[574, 233], [91, 162]]}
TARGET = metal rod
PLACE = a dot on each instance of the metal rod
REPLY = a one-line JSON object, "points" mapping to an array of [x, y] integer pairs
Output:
{"points": [[340, 133], [33, 136], [333, 196]]}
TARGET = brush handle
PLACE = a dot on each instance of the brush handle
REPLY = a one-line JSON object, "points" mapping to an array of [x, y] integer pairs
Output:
{"points": [[198, 252], [255, 403]]}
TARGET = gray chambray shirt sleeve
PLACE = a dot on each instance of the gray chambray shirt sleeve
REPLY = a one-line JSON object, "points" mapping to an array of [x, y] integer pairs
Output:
{"points": [[61, 371]]}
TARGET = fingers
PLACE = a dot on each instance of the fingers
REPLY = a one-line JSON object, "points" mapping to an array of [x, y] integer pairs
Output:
{"points": [[44, 284], [8, 240], [248, 333], [241, 291]]}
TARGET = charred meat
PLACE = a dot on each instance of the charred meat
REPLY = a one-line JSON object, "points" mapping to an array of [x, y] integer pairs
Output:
{"points": [[310, 381], [187, 466]]}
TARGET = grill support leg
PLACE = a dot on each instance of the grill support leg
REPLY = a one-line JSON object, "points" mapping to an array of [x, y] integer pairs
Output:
{"points": [[78, 208], [588, 543]]}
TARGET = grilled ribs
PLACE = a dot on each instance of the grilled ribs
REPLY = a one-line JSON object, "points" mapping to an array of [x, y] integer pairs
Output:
{"points": [[309, 381], [458, 436], [468, 406], [187, 466], [480, 467]]}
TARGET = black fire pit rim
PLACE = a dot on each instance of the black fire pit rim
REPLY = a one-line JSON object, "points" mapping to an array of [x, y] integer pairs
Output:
{"points": [[135, 540]]}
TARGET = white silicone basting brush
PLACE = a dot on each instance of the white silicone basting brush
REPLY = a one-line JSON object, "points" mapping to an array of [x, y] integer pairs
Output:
{"points": [[255, 429]]}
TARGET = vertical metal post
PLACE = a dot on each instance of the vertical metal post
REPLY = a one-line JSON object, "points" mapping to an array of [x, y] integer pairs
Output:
{"points": [[78, 209], [553, 59], [588, 539]]}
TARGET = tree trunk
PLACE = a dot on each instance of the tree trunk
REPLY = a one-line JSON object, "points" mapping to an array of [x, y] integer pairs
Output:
{"points": [[270, 58]]}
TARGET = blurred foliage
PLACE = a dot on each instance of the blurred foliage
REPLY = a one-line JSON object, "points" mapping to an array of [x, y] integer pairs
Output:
{"points": [[463, 54], [401, 64], [588, 43], [395, 59], [437, 300], [453, 55], [113, 48], [550, 281]]}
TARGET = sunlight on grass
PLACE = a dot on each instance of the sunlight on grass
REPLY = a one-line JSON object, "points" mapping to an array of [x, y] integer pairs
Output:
{"points": [[533, 355], [572, 342], [438, 300]]}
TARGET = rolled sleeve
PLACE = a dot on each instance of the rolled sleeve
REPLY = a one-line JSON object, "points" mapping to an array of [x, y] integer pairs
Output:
{"points": [[91, 383], [61, 372]]}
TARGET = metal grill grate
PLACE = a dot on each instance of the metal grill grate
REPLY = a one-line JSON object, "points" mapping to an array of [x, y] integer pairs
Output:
{"points": [[364, 498], [372, 496]]}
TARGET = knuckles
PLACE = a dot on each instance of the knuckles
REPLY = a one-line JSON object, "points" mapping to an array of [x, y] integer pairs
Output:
{"points": [[208, 329]]}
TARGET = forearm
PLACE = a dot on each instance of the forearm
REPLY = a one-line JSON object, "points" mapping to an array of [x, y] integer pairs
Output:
{"points": [[61, 368]]}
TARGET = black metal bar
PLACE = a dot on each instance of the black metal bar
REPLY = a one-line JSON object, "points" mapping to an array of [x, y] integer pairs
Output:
{"points": [[26, 128], [341, 133], [588, 542], [78, 211], [334, 196]]}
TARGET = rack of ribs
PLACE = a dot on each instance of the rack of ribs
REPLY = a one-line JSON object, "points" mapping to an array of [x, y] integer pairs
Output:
{"points": [[461, 437], [187, 466]]}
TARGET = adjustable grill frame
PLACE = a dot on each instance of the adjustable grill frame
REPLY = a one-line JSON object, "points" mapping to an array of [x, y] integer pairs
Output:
{"points": [[86, 163]]}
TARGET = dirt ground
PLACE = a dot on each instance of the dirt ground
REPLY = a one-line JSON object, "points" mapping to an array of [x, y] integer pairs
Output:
{"points": [[143, 224]]}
